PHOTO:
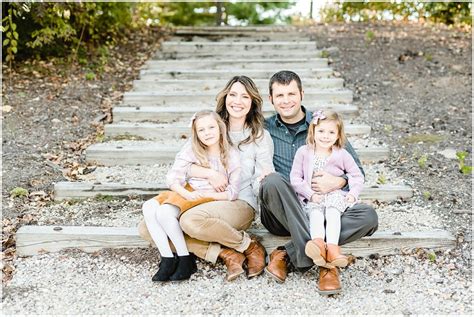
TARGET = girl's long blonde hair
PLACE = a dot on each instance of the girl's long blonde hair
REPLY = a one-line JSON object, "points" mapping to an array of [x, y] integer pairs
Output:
{"points": [[326, 115], [254, 119], [200, 149]]}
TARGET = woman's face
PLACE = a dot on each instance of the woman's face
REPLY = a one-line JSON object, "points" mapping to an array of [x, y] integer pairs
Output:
{"points": [[238, 102]]}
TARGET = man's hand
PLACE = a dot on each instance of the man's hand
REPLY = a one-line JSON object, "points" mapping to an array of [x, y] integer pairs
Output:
{"points": [[218, 181], [324, 183]]}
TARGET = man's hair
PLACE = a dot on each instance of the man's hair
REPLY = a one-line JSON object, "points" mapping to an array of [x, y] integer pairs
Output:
{"points": [[285, 77]]}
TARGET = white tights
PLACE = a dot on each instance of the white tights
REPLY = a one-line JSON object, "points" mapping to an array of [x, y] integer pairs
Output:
{"points": [[162, 222], [333, 224]]}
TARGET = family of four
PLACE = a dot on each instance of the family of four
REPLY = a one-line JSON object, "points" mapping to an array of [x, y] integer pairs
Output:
{"points": [[296, 169]]}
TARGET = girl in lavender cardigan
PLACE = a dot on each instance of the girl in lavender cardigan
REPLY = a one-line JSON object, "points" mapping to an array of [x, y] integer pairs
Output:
{"points": [[324, 151]]}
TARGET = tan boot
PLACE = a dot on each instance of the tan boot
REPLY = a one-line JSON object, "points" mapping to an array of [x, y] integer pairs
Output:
{"points": [[316, 250], [255, 255], [329, 283], [277, 267], [233, 260], [334, 256]]}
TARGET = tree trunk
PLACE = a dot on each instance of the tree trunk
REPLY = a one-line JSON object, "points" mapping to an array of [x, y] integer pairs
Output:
{"points": [[219, 13]]}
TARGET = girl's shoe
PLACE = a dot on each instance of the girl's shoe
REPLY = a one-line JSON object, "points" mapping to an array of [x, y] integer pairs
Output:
{"points": [[186, 265], [316, 250], [334, 256], [167, 268]]}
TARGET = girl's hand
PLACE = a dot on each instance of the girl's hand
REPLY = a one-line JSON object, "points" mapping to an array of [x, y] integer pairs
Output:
{"points": [[350, 198], [218, 181], [316, 198]]}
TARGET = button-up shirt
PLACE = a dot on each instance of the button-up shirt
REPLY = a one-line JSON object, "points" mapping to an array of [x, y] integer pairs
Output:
{"points": [[286, 144]]}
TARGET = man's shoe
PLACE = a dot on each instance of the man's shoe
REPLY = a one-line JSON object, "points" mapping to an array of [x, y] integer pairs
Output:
{"points": [[329, 283], [233, 260], [334, 256], [255, 255], [316, 250], [277, 268]]}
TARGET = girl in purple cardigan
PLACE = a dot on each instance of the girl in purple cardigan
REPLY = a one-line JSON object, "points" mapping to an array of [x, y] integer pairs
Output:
{"points": [[324, 151], [210, 148]]}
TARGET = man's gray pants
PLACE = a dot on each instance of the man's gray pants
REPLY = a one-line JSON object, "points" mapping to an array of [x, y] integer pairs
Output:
{"points": [[282, 214]]}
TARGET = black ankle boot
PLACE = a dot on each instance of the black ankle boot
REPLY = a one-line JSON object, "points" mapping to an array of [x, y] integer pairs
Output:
{"points": [[195, 267], [185, 268], [167, 268]]}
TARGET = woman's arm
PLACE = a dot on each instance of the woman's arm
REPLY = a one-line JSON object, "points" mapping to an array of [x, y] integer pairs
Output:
{"points": [[263, 160]]}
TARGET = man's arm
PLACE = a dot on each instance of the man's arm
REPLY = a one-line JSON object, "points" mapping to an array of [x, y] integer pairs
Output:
{"points": [[324, 182]]}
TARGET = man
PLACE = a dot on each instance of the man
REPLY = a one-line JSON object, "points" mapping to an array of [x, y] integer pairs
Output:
{"points": [[281, 212]]}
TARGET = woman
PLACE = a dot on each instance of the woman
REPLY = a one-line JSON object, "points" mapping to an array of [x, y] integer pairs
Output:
{"points": [[216, 229]]}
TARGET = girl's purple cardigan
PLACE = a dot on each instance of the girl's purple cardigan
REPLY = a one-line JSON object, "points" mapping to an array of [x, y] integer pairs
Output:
{"points": [[339, 162]]}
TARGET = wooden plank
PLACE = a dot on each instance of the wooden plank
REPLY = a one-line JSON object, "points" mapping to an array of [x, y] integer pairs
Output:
{"points": [[32, 240], [147, 98], [157, 131], [229, 73], [241, 46], [239, 54], [215, 85], [80, 190], [180, 112], [150, 153], [171, 65]]}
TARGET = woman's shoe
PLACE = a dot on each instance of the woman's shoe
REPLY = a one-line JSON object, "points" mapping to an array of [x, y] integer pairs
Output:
{"points": [[316, 250], [186, 264], [334, 256], [167, 268]]}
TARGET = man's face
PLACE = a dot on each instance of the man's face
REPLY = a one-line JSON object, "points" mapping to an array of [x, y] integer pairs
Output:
{"points": [[287, 101]]}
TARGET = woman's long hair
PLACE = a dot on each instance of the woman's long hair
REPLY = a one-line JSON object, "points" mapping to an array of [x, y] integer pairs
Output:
{"points": [[200, 149], [254, 119]]}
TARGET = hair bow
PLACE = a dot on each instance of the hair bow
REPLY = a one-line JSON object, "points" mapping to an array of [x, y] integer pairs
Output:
{"points": [[193, 117], [317, 115]]}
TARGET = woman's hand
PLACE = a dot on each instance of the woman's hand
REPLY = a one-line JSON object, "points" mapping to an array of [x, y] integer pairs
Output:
{"points": [[264, 174], [218, 181], [193, 195]]}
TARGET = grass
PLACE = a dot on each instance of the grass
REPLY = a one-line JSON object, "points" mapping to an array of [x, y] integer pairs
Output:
{"points": [[423, 138], [131, 137], [18, 192], [422, 161]]}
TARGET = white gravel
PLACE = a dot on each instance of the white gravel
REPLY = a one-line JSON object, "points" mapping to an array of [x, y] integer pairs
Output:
{"points": [[119, 282]]}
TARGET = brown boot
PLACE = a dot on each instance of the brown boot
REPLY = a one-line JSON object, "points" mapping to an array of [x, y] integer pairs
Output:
{"points": [[334, 256], [233, 260], [255, 255], [277, 268], [329, 283], [316, 250]]}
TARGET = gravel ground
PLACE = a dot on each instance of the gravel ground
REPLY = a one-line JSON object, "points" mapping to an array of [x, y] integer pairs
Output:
{"points": [[118, 282]]}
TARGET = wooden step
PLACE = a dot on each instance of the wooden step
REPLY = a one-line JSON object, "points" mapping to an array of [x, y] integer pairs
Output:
{"points": [[149, 153], [33, 240], [241, 46], [182, 112], [239, 54], [215, 85], [154, 131], [275, 63], [148, 98], [81, 190], [229, 73]]}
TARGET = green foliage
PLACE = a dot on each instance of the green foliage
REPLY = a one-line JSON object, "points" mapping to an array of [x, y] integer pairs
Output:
{"points": [[85, 30], [90, 76], [369, 36], [324, 54], [427, 195], [18, 192], [432, 256], [446, 12], [422, 161], [462, 167], [382, 179]]}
